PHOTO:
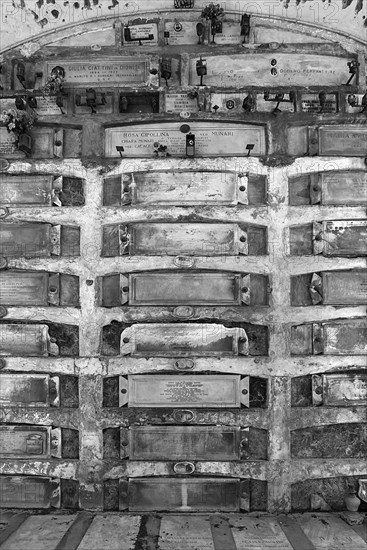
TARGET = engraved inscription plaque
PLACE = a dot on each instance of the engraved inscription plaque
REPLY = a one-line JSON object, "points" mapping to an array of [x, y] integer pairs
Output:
{"points": [[178, 103], [29, 492], [186, 533], [184, 443], [181, 339], [184, 495], [340, 238], [212, 139], [29, 390], [185, 391], [261, 533], [103, 71], [328, 531], [349, 188], [26, 340], [31, 240], [345, 287], [23, 441], [181, 188], [342, 390], [186, 288], [347, 141], [8, 148], [235, 71], [174, 239], [26, 190]]}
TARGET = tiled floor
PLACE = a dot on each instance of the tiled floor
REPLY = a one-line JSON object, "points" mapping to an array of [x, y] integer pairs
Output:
{"points": [[86, 531]]}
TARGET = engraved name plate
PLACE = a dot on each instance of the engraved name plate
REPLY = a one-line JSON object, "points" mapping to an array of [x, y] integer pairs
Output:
{"points": [[344, 188], [340, 238], [178, 103], [184, 495], [238, 71], [32, 240], [184, 443], [197, 532], [103, 71], [212, 139], [182, 188], [23, 441], [340, 390], [26, 190], [346, 141], [29, 390], [8, 148], [174, 239], [182, 339], [185, 391], [259, 533], [347, 338], [187, 288], [29, 492], [26, 340], [345, 287]]}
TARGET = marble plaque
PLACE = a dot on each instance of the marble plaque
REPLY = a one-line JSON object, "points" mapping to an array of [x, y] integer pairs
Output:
{"points": [[346, 141], [347, 338], [184, 188], [258, 533], [199, 391], [24, 441], [326, 531], [227, 102], [46, 106], [128, 71], [115, 532], [8, 149], [31, 240], [26, 340], [273, 69], [182, 339], [184, 443], [184, 32], [184, 494], [185, 288], [311, 104], [344, 188], [345, 287], [341, 238], [29, 492], [28, 390], [25, 190], [212, 139], [185, 533], [23, 288], [344, 390], [180, 103], [145, 34], [192, 239]]}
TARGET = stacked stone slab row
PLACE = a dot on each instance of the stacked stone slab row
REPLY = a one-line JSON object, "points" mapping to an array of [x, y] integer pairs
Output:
{"points": [[275, 144]]}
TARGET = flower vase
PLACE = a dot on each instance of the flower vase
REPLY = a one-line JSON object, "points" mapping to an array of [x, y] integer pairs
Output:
{"points": [[352, 502]]}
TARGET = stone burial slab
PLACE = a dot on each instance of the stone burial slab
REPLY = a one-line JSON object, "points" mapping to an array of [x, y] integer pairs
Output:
{"points": [[26, 340], [184, 494], [176, 188], [258, 533], [176, 288], [214, 443], [341, 337], [271, 69], [29, 492], [112, 532], [340, 238], [312, 103], [339, 390], [38, 288], [338, 140], [342, 440], [212, 139], [107, 71], [200, 391], [342, 188], [8, 148], [337, 288], [26, 441], [49, 529], [32, 240], [145, 34], [180, 32], [185, 533], [174, 239], [180, 103], [183, 339], [29, 390], [29, 190], [326, 531]]}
